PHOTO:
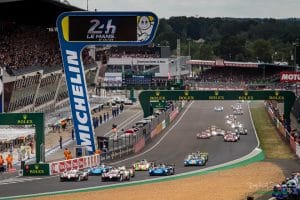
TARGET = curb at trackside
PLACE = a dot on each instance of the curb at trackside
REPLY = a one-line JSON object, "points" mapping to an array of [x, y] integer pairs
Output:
{"points": [[255, 156]]}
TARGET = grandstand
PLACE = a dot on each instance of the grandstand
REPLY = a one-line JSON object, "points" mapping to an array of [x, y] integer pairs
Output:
{"points": [[30, 56], [213, 74]]}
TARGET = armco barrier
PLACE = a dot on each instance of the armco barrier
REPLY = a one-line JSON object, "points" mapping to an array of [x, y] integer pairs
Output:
{"points": [[139, 146], [76, 163], [293, 144], [286, 135]]}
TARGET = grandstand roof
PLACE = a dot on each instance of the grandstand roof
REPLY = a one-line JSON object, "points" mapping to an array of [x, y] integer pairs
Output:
{"points": [[33, 12], [224, 63]]}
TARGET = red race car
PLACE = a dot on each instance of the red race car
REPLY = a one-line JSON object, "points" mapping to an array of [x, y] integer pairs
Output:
{"points": [[230, 137], [204, 135]]}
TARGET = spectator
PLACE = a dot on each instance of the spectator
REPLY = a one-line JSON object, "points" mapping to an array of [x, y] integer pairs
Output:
{"points": [[66, 152], [72, 133], [69, 155], [60, 142], [9, 161], [1, 164]]}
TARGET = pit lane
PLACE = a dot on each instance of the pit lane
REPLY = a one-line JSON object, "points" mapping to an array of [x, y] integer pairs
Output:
{"points": [[170, 147]]}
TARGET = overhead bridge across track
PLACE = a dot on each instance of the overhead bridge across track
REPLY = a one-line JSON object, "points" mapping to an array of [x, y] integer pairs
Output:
{"points": [[148, 96]]}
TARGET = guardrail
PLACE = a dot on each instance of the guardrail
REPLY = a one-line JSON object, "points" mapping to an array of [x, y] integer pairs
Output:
{"points": [[284, 133]]}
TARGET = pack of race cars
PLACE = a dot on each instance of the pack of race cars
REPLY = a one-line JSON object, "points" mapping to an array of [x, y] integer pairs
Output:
{"points": [[111, 173], [122, 173], [235, 127]]}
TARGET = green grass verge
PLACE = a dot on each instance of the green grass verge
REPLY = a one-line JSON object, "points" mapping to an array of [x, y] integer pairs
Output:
{"points": [[270, 141]]}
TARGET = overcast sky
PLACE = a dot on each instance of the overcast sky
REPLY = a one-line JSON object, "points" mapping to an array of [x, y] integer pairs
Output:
{"points": [[201, 8]]}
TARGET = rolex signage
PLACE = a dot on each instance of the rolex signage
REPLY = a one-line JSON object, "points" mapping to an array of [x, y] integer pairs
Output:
{"points": [[36, 170]]}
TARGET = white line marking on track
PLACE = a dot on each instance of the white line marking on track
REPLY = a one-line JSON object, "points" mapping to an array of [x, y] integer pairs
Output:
{"points": [[159, 141]]}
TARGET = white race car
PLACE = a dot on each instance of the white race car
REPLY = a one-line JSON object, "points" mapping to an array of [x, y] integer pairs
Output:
{"points": [[218, 108], [238, 112], [74, 175]]}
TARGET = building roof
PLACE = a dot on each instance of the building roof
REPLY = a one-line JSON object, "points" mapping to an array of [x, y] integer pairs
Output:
{"points": [[33, 12]]}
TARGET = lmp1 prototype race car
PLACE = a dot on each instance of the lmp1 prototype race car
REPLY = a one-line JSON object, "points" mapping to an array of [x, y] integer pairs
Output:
{"points": [[74, 175], [194, 160], [204, 135], [142, 165], [162, 170], [99, 170], [116, 174]]}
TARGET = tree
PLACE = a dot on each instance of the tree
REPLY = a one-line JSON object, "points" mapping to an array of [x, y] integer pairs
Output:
{"points": [[261, 50]]}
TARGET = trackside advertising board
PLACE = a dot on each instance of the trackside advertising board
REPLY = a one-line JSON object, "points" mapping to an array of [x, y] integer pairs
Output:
{"points": [[79, 29], [291, 76]]}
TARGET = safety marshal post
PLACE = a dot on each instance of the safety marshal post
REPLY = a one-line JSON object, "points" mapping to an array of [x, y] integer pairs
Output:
{"points": [[79, 29]]}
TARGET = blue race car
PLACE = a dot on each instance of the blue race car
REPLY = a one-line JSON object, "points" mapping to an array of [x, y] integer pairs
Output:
{"points": [[194, 160], [162, 170], [99, 170]]}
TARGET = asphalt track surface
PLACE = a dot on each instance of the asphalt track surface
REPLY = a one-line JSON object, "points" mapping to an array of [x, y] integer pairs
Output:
{"points": [[170, 147]]}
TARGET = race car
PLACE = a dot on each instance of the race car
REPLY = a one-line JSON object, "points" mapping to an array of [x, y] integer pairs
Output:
{"points": [[230, 119], [204, 135], [218, 131], [142, 165], [230, 137], [241, 130], [162, 170], [238, 112], [203, 155], [130, 169], [116, 174], [194, 160], [74, 175], [218, 108], [236, 125], [99, 170]]}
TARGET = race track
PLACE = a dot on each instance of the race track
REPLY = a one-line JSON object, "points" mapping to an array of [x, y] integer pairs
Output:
{"points": [[178, 140]]}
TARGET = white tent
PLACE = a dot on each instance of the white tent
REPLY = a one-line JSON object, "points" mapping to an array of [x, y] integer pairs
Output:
{"points": [[7, 134]]}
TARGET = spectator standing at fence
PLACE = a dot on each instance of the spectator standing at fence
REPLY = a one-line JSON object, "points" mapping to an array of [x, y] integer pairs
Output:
{"points": [[97, 152], [66, 152], [69, 155], [9, 160], [11, 148], [1, 164], [60, 142], [72, 133], [100, 119], [104, 117]]}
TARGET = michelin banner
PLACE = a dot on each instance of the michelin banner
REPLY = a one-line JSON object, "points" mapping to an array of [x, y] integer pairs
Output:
{"points": [[1, 91]]}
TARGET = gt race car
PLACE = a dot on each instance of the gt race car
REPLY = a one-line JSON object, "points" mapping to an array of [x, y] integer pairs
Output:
{"points": [[230, 137], [204, 135], [162, 170], [74, 175]]}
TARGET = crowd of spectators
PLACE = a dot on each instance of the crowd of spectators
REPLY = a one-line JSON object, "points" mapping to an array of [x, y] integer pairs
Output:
{"points": [[22, 46], [131, 52], [230, 74]]}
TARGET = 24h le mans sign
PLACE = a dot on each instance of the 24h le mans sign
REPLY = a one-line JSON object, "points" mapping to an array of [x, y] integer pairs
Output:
{"points": [[79, 29]]}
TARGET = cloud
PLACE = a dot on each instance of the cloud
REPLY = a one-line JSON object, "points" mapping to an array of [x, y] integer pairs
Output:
{"points": [[205, 8]]}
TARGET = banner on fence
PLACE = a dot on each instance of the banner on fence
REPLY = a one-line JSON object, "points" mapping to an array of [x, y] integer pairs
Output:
{"points": [[76, 163]]}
